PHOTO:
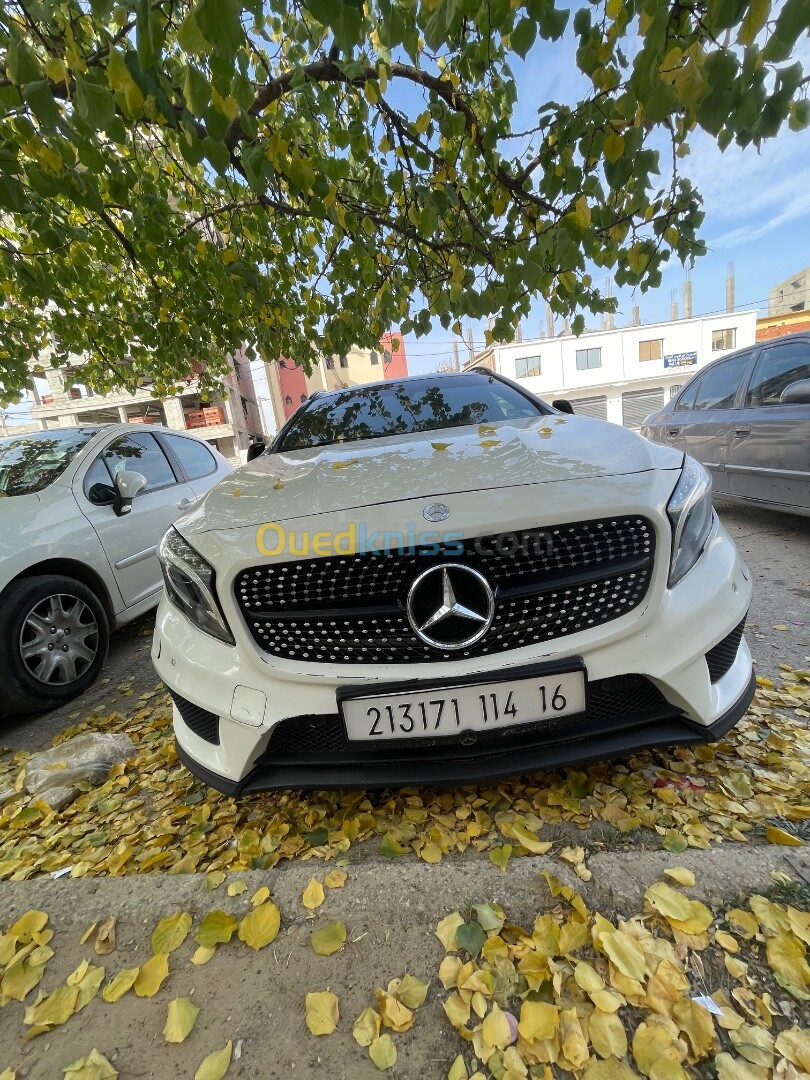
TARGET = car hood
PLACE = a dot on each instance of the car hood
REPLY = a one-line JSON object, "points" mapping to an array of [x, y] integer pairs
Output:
{"points": [[302, 483]]}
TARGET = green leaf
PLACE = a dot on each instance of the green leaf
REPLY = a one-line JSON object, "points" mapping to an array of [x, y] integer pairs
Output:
{"points": [[329, 939], [391, 848], [343, 17], [220, 23], [523, 36], [191, 37], [22, 65], [196, 91], [38, 95], [94, 103], [471, 937], [755, 19]]}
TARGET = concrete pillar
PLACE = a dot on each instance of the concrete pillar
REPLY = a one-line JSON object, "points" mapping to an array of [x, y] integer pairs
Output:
{"points": [[173, 408], [122, 414]]}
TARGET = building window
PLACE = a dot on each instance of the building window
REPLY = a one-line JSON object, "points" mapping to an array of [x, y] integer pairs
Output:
{"points": [[723, 339], [374, 357], [588, 358], [288, 400], [344, 361], [651, 350], [330, 363], [303, 398], [526, 366], [673, 390]]}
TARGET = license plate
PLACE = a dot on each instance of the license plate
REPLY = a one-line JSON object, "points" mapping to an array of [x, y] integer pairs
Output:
{"points": [[448, 710]]}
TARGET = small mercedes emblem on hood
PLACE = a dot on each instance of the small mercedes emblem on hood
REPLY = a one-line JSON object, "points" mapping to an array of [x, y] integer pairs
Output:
{"points": [[436, 512]]}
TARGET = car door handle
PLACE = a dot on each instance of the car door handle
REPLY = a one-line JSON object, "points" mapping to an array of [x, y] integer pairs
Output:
{"points": [[185, 502], [742, 433], [673, 432]]}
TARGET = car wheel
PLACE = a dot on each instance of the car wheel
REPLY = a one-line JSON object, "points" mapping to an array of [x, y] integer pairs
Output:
{"points": [[54, 635]]}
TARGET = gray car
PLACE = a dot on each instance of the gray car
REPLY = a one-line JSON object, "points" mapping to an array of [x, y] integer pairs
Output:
{"points": [[747, 418]]}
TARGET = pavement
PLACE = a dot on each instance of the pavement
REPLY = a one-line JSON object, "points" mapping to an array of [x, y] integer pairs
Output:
{"points": [[390, 908]]}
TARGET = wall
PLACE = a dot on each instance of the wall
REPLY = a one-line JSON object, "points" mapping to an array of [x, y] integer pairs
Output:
{"points": [[792, 294], [775, 326]]}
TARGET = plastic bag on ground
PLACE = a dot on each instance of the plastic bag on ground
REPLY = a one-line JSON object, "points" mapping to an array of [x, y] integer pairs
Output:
{"points": [[84, 757]]}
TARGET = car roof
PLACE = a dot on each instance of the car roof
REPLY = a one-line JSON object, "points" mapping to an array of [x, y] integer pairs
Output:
{"points": [[428, 376]]}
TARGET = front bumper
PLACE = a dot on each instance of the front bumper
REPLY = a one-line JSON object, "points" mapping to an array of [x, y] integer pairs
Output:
{"points": [[251, 704]]}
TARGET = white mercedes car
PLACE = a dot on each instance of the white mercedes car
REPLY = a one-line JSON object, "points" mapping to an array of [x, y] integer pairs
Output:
{"points": [[444, 579], [82, 511]]}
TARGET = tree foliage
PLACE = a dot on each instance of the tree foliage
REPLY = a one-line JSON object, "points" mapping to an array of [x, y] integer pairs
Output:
{"points": [[177, 178]]}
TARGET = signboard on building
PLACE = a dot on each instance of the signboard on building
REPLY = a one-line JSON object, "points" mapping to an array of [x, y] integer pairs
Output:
{"points": [[681, 360]]}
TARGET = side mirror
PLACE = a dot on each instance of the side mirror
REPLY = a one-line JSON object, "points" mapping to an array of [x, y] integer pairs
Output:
{"points": [[128, 483], [102, 495], [562, 405], [796, 393], [256, 449]]}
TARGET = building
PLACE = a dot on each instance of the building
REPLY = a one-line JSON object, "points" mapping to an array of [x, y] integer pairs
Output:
{"points": [[290, 386], [774, 326], [790, 295], [229, 421], [620, 375]]}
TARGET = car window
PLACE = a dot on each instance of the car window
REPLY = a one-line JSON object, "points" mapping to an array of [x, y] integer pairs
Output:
{"points": [[777, 368], [30, 462], [718, 386], [98, 477], [194, 455], [141, 453], [687, 398], [400, 408]]}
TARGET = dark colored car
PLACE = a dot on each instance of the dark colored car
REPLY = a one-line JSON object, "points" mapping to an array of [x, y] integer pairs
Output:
{"points": [[747, 419]]}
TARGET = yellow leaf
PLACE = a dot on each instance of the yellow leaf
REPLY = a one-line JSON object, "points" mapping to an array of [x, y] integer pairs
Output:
{"points": [[458, 1070], [698, 1026], [215, 1065], [236, 888], [457, 1010], [383, 1052], [538, 1020], [726, 941], [446, 931], [614, 146], [27, 925], [180, 1020], [778, 836], [753, 1043], [626, 954], [588, 978], [323, 1012], [260, 896], [54, 1010], [607, 1000], [214, 880], [152, 975], [335, 879], [329, 939], [681, 875], [88, 933], [411, 991], [521, 832], [700, 918], [608, 1070], [668, 901], [787, 961], [652, 1042], [217, 927], [392, 1012], [105, 938], [115, 989], [744, 921], [573, 1042], [170, 933], [607, 1034], [731, 1068], [794, 1044], [260, 926], [448, 971], [314, 895], [366, 1027], [202, 955], [496, 1030], [93, 1067], [500, 856]]}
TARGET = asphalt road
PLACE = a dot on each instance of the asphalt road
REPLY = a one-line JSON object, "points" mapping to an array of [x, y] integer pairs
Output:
{"points": [[776, 547]]}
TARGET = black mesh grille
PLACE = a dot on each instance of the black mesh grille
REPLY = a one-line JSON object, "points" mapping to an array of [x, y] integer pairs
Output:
{"points": [[722, 656], [623, 701], [548, 584], [202, 723]]}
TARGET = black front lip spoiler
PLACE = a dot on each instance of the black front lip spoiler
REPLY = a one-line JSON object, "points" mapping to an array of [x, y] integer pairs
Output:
{"points": [[675, 730]]}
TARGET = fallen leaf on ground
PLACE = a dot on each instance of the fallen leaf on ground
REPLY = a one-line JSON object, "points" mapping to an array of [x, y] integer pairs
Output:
{"points": [[314, 895], [260, 926], [105, 938], [151, 975], [383, 1052], [216, 928], [171, 932], [322, 1012], [93, 1067], [216, 1064], [181, 1018], [335, 879], [366, 1027], [328, 939]]}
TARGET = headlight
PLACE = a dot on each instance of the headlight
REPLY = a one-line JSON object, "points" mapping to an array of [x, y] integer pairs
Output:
{"points": [[691, 514], [190, 585]]}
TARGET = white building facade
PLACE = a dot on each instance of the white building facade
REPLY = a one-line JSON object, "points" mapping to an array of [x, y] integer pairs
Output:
{"points": [[621, 375]]}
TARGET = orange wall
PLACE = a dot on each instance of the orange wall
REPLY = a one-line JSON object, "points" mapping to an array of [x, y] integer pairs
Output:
{"points": [[782, 325], [397, 367]]}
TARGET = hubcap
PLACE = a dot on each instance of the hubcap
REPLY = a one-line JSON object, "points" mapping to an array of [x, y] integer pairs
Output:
{"points": [[59, 639]]}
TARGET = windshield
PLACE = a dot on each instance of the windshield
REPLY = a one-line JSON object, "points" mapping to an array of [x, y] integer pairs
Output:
{"points": [[29, 463], [372, 412]]}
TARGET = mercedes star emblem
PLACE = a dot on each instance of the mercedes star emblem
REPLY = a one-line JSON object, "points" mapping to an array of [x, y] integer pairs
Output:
{"points": [[436, 512], [450, 606]]}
